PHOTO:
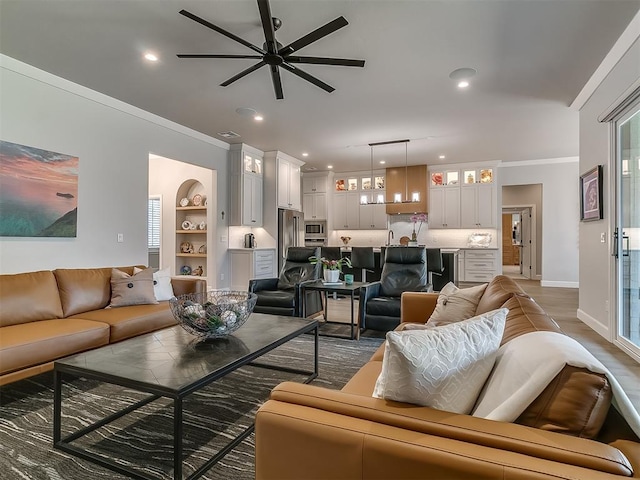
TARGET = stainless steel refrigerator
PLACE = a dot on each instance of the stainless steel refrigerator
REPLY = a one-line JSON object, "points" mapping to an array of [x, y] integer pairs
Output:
{"points": [[290, 224]]}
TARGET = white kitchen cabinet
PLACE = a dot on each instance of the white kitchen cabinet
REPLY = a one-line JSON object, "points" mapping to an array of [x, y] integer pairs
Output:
{"points": [[373, 216], [252, 200], [288, 182], [346, 211], [314, 206], [246, 182], [480, 265], [314, 184], [444, 207], [250, 263], [478, 206]]}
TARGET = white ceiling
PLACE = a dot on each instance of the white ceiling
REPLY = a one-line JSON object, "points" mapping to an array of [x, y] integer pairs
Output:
{"points": [[532, 56]]}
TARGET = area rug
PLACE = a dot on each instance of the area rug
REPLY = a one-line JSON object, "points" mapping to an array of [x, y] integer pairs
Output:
{"points": [[143, 439]]}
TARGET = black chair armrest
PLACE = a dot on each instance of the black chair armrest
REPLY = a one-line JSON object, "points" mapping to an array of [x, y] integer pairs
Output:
{"points": [[259, 284], [370, 290]]}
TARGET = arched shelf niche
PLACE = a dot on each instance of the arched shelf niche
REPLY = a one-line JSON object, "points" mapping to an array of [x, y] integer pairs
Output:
{"points": [[191, 229]]}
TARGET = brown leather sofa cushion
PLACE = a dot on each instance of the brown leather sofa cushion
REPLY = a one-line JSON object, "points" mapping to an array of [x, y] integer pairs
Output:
{"points": [[38, 342], [575, 403], [28, 297], [130, 321], [526, 316], [499, 290], [85, 289]]}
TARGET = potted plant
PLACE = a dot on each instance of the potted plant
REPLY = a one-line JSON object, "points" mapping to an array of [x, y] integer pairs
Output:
{"points": [[331, 268], [420, 217]]}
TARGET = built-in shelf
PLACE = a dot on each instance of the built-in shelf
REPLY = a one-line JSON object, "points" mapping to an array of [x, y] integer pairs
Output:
{"points": [[200, 255], [191, 231], [191, 208]]}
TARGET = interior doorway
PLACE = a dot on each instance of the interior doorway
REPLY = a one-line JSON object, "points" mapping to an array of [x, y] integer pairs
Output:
{"points": [[518, 241]]}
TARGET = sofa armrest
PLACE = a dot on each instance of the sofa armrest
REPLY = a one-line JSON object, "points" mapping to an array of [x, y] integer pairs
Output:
{"points": [[505, 437], [417, 307], [183, 284], [258, 284]]}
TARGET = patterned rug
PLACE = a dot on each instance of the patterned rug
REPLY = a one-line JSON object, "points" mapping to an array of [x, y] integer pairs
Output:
{"points": [[143, 439]]}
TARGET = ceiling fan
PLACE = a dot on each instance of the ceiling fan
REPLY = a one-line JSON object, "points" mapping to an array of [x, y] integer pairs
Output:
{"points": [[274, 54]]}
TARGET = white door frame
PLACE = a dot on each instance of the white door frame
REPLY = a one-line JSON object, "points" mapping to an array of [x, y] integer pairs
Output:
{"points": [[614, 211], [535, 275]]}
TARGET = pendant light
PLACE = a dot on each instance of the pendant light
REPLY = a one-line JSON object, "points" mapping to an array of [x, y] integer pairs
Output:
{"points": [[398, 197]]}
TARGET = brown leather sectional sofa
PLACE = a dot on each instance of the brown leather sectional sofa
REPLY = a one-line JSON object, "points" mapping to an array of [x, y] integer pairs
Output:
{"points": [[570, 431], [48, 315]]}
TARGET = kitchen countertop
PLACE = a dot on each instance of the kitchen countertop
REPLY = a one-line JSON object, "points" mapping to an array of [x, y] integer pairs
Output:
{"points": [[242, 249]]}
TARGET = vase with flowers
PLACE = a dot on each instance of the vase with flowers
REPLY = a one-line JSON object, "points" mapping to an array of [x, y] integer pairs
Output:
{"points": [[331, 268], [418, 217]]}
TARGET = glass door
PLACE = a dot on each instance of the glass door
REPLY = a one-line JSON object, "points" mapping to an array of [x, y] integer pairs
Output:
{"points": [[627, 229]]}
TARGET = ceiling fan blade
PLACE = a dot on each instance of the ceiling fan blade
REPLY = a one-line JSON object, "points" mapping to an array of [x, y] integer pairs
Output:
{"points": [[309, 78], [344, 62], [209, 55], [267, 26], [230, 35], [277, 82], [317, 34], [243, 73]]}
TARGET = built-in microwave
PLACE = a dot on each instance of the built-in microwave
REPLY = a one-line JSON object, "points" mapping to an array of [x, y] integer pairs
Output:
{"points": [[314, 228]]}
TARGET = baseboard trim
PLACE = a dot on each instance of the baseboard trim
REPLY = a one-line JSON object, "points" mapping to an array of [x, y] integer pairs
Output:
{"points": [[594, 324], [551, 283]]}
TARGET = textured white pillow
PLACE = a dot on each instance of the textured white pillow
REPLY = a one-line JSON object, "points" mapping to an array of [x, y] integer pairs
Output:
{"points": [[455, 304], [162, 288], [443, 367]]}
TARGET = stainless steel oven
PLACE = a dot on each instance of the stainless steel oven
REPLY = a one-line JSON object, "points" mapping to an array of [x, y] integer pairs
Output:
{"points": [[315, 241]]}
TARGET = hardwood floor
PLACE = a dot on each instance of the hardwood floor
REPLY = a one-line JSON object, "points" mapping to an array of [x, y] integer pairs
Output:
{"points": [[562, 305]]}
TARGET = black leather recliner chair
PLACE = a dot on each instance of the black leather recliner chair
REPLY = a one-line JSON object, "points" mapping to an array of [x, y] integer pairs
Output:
{"points": [[283, 295], [404, 270]]}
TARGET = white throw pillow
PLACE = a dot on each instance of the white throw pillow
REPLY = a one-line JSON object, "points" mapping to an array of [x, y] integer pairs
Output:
{"points": [[443, 367], [455, 304], [162, 287]]}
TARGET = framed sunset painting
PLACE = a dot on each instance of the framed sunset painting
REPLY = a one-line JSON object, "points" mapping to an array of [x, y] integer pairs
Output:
{"points": [[38, 192]]}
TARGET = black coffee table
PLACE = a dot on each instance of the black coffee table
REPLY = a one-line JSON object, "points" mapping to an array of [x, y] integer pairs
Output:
{"points": [[171, 363]]}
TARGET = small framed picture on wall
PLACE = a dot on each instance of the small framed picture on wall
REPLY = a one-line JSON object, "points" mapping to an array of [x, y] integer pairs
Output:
{"points": [[591, 195]]}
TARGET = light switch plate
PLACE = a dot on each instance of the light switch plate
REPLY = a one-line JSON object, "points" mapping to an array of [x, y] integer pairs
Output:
{"points": [[603, 237]]}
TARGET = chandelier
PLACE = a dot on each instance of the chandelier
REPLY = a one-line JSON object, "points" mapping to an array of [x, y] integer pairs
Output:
{"points": [[398, 197]]}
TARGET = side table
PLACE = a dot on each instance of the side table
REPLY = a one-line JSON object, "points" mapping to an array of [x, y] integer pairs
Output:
{"points": [[343, 289]]}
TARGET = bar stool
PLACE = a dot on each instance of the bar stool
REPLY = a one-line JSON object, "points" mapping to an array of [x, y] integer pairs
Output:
{"points": [[363, 258], [331, 253], [434, 263]]}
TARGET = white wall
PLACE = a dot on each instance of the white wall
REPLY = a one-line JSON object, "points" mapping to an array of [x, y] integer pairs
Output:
{"points": [[113, 141], [166, 176], [595, 149], [560, 217]]}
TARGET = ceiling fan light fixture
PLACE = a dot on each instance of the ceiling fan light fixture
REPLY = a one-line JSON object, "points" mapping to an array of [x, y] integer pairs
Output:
{"points": [[152, 57], [463, 84], [258, 118]]}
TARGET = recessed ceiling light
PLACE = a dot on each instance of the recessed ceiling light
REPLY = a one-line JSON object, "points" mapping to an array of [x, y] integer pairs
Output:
{"points": [[462, 76], [382, 162], [305, 154], [151, 57], [329, 167], [246, 111], [258, 118], [441, 157]]}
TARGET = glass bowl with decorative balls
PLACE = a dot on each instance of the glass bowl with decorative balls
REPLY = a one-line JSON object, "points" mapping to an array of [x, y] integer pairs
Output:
{"points": [[213, 314]]}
